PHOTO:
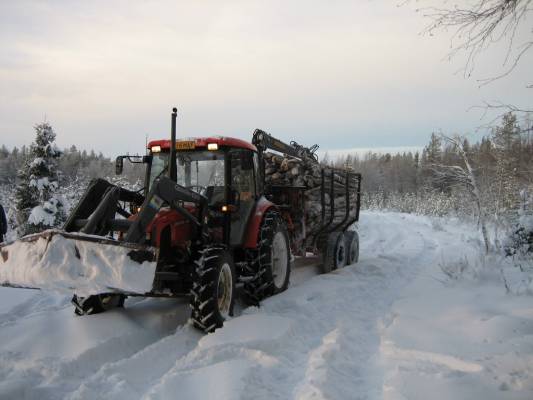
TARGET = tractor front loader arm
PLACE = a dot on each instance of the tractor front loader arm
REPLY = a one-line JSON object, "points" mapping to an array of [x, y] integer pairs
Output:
{"points": [[97, 207], [166, 191]]}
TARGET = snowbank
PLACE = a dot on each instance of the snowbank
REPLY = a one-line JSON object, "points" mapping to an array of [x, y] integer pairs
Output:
{"points": [[462, 342], [67, 265]]}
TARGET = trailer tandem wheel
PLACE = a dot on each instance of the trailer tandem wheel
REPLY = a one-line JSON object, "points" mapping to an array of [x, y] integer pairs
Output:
{"points": [[351, 239], [334, 252]]}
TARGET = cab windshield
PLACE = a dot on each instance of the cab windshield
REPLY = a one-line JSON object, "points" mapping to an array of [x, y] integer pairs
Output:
{"points": [[196, 170]]}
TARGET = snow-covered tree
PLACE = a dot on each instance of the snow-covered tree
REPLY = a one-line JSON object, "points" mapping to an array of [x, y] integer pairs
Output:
{"points": [[433, 151], [38, 207], [506, 143], [520, 241]]}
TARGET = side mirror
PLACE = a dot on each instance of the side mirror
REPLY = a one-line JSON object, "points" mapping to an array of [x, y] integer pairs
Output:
{"points": [[119, 165]]}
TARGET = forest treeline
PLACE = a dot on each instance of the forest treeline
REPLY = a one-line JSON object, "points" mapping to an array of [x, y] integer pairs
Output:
{"points": [[503, 162], [72, 164]]}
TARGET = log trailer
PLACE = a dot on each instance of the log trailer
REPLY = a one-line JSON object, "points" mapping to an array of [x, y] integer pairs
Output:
{"points": [[210, 223]]}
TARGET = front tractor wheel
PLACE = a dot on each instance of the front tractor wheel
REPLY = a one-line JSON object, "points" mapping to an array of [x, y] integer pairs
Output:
{"points": [[213, 290], [272, 267], [96, 304]]}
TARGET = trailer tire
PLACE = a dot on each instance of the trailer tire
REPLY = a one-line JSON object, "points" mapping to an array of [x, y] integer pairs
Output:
{"points": [[351, 239], [272, 267], [97, 303], [335, 252], [213, 289]]}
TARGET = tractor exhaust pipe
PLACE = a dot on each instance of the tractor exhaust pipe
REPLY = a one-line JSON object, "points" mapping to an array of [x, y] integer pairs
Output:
{"points": [[172, 171]]}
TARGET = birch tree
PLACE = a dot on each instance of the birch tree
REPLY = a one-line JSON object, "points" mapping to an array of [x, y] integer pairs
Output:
{"points": [[463, 177]]}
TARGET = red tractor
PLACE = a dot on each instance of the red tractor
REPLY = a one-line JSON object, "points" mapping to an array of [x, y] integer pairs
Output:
{"points": [[214, 223]]}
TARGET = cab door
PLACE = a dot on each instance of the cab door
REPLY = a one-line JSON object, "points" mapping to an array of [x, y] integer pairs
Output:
{"points": [[243, 191]]}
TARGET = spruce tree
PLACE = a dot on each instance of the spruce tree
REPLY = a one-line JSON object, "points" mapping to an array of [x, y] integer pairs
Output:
{"points": [[506, 143], [37, 206], [432, 156]]}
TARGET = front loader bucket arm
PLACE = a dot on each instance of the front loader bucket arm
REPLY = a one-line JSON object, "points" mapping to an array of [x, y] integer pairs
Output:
{"points": [[165, 190], [83, 218]]}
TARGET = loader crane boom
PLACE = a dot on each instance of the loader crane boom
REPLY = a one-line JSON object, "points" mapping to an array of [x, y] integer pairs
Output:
{"points": [[264, 141]]}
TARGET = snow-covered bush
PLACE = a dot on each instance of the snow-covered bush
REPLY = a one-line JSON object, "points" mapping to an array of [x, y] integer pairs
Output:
{"points": [[38, 206], [520, 240], [431, 203]]}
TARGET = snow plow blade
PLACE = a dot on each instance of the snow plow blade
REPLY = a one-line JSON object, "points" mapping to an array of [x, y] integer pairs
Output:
{"points": [[74, 262]]}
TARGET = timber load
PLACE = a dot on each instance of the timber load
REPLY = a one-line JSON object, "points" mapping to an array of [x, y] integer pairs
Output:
{"points": [[331, 196]]}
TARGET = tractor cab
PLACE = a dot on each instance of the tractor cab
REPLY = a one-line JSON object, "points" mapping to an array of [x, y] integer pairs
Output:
{"points": [[223, 170]]}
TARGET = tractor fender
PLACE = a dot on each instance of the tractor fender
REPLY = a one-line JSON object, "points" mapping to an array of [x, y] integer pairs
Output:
{"points": [[180, 229], [252, 231]]}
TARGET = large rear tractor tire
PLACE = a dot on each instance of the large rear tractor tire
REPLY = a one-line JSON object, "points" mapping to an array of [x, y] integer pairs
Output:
{"points": [[272, 267], [213, 289], [97, 304], [351, 239], [334, 252]]}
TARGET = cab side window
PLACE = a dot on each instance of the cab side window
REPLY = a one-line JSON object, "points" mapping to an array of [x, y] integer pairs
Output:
{"points": [[242, 174], [243, 184]]}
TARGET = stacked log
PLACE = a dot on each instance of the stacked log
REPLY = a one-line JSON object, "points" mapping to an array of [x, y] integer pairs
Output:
{"points": [[282, 170], [285, 170]]}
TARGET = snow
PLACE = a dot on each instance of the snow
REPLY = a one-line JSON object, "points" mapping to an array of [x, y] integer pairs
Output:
{"points": [[248, 328], [526, 221], [37, 161], [42, 183], [46, 214], [393, 326], [41, 215], [473, 344], [54, 262], [222, 381]]}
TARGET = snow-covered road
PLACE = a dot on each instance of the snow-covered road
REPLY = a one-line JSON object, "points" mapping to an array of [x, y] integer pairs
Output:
{"points": [[385, 328]]}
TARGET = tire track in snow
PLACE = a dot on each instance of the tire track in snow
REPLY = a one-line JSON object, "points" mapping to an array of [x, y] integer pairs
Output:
{"points": [[50, 371], [129, 377], [348, 355]]}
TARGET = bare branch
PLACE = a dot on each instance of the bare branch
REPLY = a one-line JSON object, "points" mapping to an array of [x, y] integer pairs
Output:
{"points": [[479, 24], [502, 109], [486, 81]]}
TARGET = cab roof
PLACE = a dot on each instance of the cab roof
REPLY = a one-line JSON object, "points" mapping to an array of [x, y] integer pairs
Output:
{"points": [[222, 141]]}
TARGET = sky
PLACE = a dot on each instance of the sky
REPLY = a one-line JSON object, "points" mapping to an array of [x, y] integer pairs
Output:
{"points": [[342, 74]]}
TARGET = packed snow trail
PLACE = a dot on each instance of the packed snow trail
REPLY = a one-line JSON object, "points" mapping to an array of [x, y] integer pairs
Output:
{"points": [[344, 335]]}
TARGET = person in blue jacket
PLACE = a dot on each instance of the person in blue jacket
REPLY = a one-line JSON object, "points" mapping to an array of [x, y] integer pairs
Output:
{"points": [[3, 223]]}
